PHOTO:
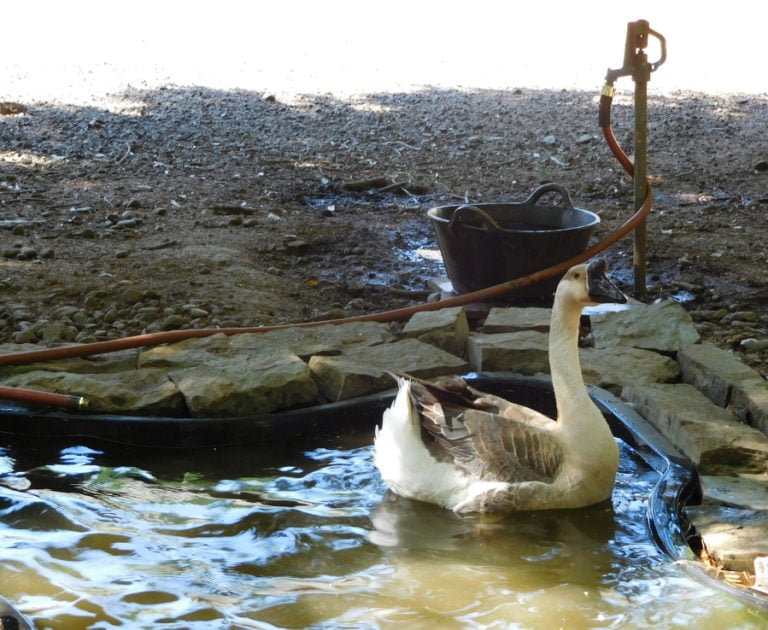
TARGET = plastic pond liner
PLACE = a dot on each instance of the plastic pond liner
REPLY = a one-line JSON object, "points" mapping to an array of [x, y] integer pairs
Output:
{"points": [[667, 526]]}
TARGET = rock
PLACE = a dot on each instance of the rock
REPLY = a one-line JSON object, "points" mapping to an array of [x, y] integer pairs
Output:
{"points": [[714, 371], [25, 336], [131, 295], [743, 490], [741, 316], [708, 315], [57, 331], [753, 345], [245, 384], [733, 537], [26, 253], [749, 403], [341, 378], [411, 356], [516, 318], [525, 351], [663, 326], [140, 392], [613, 368], [445, 328], [173, 322], [711, 437], [323, 339]]}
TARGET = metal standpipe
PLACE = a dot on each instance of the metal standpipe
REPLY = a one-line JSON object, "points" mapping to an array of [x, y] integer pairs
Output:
{"points": [[636, 65]]}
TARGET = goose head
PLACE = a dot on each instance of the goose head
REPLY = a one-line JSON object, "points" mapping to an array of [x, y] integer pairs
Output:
{"points": [[587, 284]]}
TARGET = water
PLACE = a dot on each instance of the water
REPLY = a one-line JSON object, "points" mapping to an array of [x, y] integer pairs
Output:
{"points": [[292, 537]]}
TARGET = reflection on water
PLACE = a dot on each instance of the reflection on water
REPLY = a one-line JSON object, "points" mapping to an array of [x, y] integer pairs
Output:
{"points": [[268, 538]]}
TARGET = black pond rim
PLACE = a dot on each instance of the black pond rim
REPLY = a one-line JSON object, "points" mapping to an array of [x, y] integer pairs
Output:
{"points": [[677, 487]]}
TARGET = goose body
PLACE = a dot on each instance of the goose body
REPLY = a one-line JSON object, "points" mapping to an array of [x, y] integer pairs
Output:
{"points": [[450, 444]]}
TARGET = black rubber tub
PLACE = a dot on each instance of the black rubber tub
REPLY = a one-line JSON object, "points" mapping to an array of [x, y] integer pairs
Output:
{"points": [[489, 243]]}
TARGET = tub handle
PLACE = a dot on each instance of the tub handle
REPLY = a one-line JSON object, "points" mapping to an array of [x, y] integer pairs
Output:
{"points": [[465, 215], [557, 215], [547, 188]]}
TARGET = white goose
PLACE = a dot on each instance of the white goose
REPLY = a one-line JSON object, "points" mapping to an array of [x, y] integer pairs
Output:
{"points": [[449, 444]]}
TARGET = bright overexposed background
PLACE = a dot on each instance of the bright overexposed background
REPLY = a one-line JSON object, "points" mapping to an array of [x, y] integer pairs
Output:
{"points": [[75, 50]]}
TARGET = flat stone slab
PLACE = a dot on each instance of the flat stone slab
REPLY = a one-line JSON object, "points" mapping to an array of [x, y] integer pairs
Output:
{"points": [[512, 319], [246, 384], [662, 326], [446, 328], [303, 342], [341, 377], [614, 368], [714, 371], [742, 490], [525, 351], [137, 391], [710, 436], [749, 403], [733, 537], [410, 356]]}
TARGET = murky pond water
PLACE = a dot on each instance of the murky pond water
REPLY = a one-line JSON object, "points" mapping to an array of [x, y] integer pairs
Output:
{"points": [[286, 536]]}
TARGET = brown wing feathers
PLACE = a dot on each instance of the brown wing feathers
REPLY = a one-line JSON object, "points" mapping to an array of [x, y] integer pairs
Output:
{"points": [[482, 443]]}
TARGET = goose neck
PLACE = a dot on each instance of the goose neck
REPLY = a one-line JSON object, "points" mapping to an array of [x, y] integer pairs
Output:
{"points": [[565, 367]]}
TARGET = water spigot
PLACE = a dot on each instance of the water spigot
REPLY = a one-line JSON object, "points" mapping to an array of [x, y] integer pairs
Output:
{"points": [[635, 60]]}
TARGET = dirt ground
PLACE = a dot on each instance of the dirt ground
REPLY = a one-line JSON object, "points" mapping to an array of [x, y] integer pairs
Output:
{"points": [[190, 207]]}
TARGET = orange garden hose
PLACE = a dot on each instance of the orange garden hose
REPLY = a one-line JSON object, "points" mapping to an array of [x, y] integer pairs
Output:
{"points": [[154, 339]]}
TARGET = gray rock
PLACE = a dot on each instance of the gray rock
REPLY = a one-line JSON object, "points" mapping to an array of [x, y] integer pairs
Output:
{"points": [[142, 392], [711, 437], [749, 403], [516, 318], [446, 328], [56, 332], [733, 537], [324, 339], [663, 326], [613, 368], [744, 490], [244, 385], [525, 351], [341, 377], [411, 356], [714, 371]]}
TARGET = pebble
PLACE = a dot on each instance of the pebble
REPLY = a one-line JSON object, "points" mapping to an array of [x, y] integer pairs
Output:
{"points": [[708, 315], [173, 322], [743, 316], [753, 345], [26, 253], [131, 295]]}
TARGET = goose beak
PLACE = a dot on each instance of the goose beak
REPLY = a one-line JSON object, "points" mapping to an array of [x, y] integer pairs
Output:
{"points": [[601, 289]]}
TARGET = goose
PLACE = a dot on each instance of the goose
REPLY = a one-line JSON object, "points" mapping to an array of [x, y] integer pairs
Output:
{"points": [[472, 452]]}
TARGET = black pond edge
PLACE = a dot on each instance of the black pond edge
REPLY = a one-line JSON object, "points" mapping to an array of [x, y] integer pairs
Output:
{"points": [[678, 485]]}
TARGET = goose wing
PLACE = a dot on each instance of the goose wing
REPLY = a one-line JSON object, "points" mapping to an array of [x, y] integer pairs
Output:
{"points": [[488, 437]]}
